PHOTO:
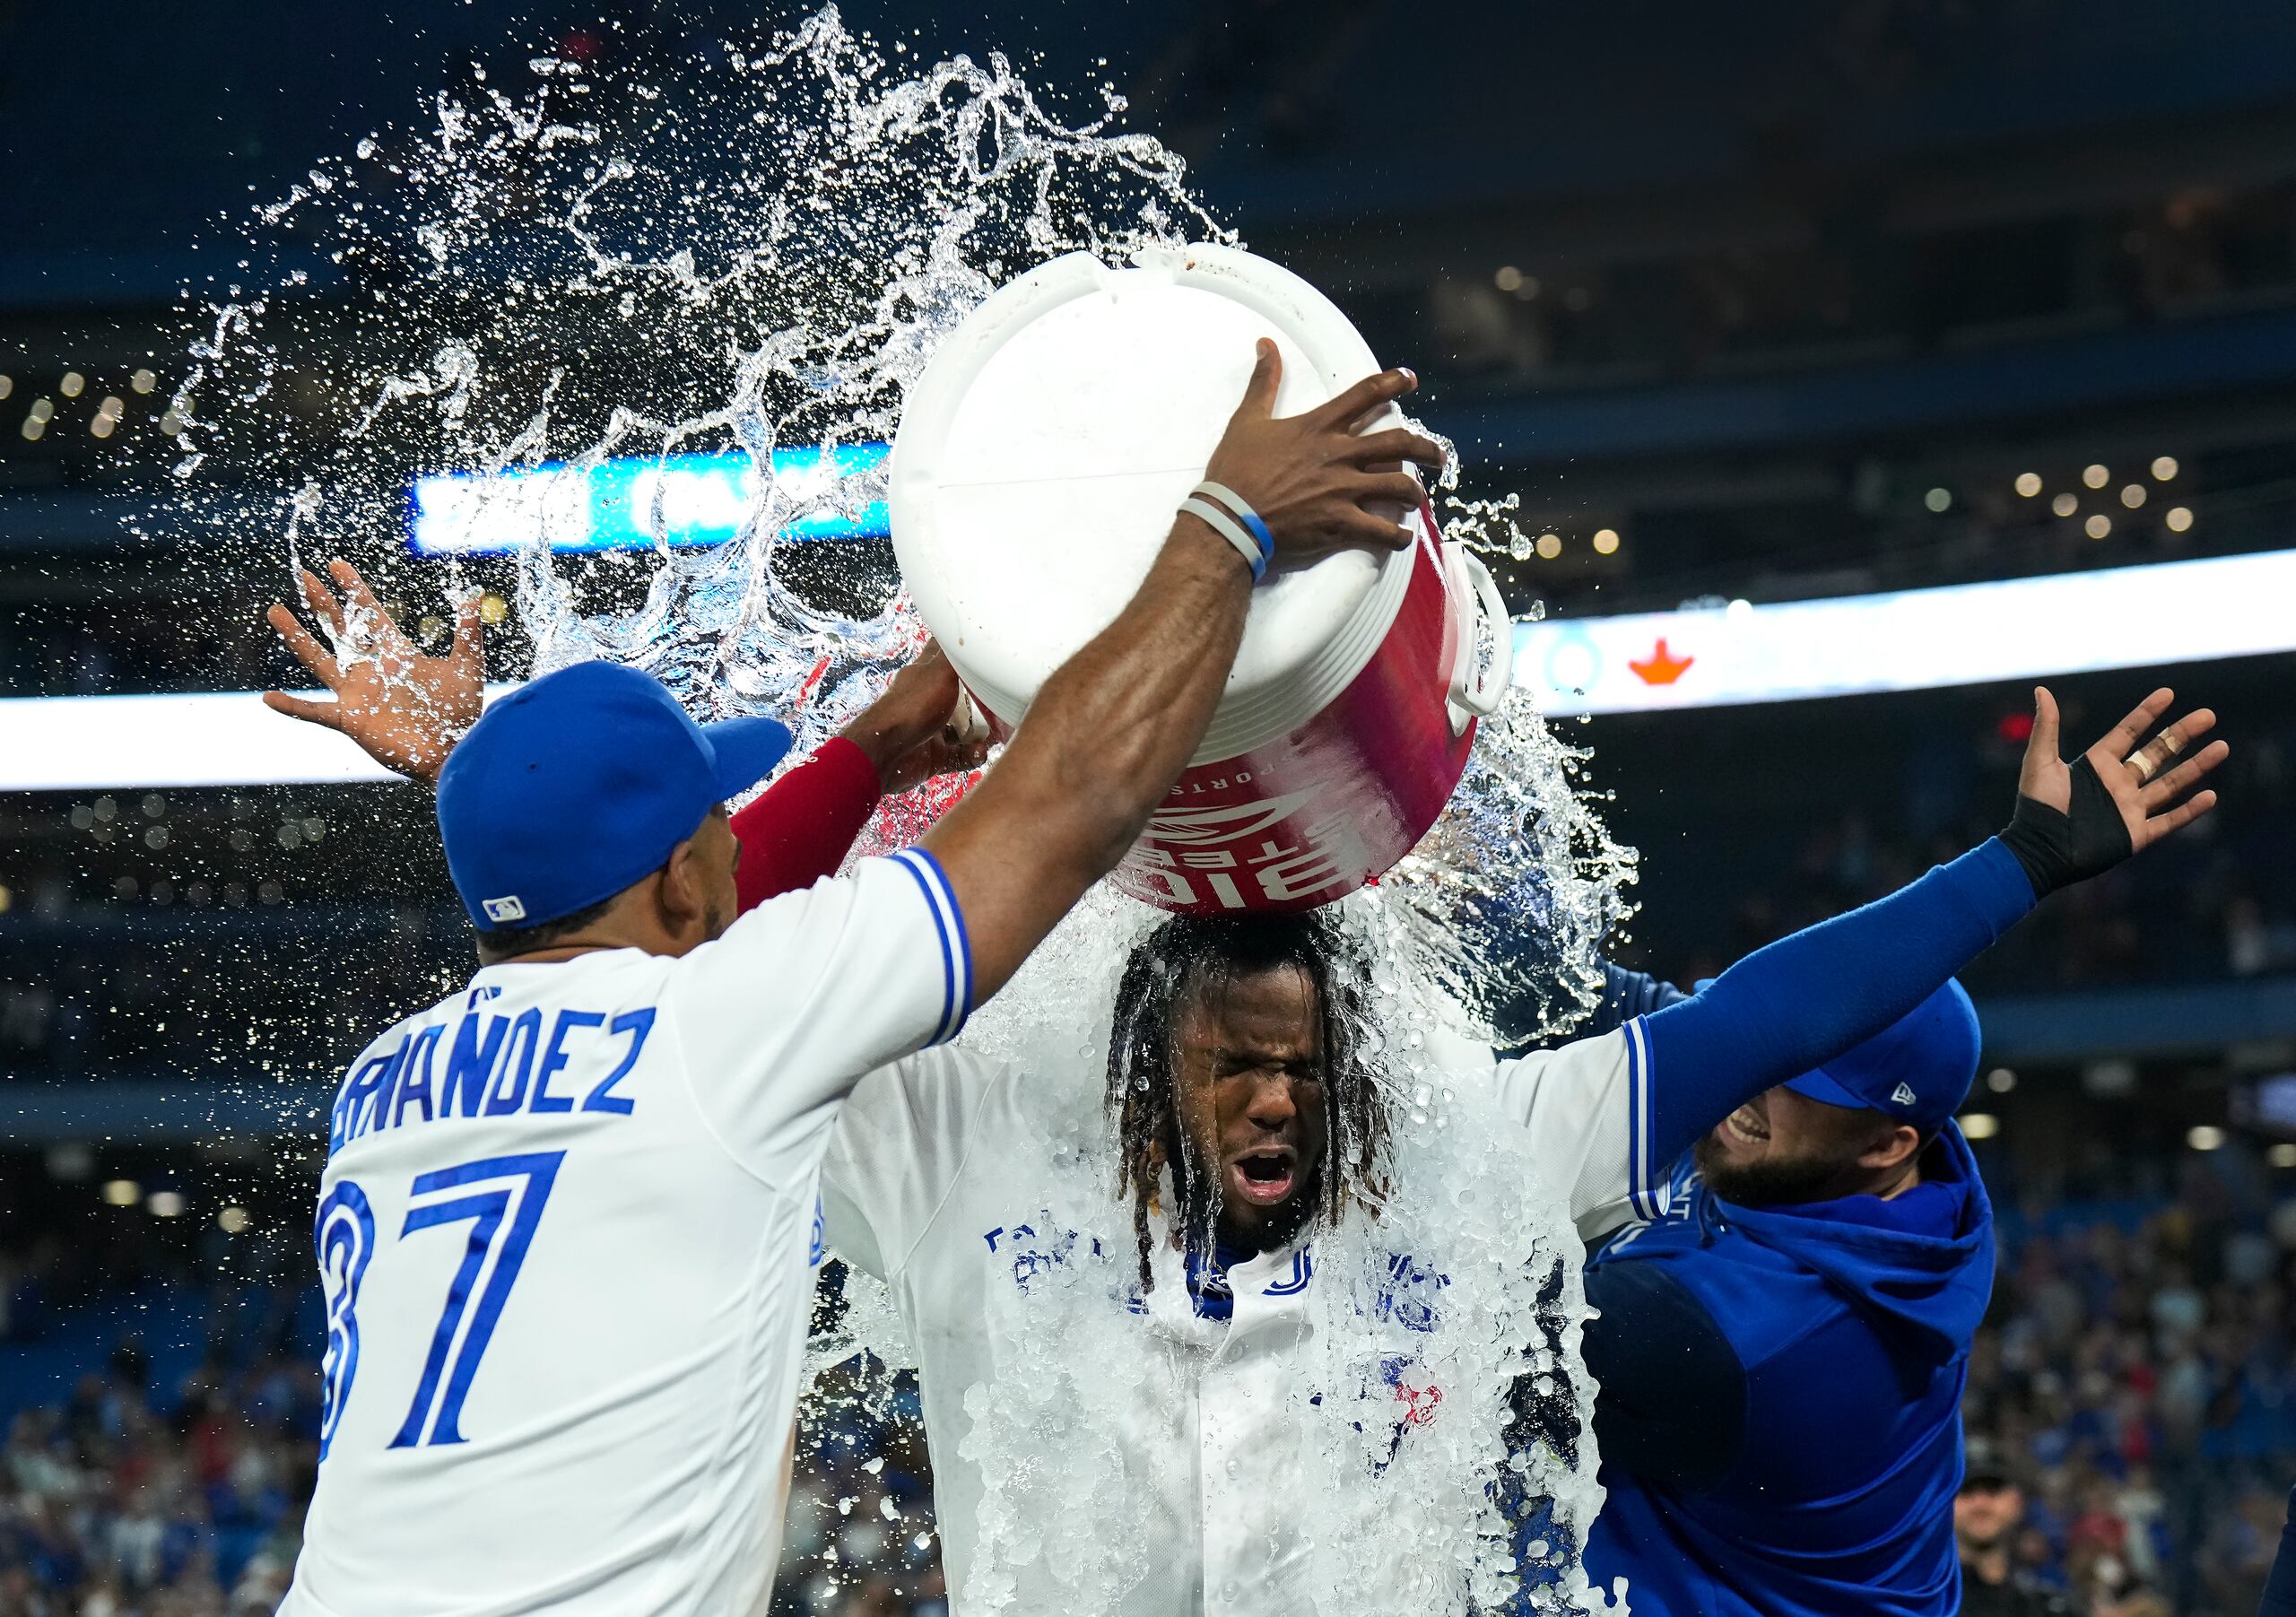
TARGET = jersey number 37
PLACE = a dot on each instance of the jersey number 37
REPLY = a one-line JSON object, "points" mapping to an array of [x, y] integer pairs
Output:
{"points": [[501, 1199]]}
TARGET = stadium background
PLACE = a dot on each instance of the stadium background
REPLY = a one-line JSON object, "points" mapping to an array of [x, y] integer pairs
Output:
{"points": [[1762, 304]]}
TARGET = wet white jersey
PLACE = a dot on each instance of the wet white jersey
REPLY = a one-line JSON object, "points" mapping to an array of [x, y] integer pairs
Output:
{"points": [[938, 1181], [564, 1232]]}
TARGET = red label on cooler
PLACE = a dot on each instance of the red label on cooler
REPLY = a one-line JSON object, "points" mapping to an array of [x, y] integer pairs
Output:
{"points": [[1313, 815]]}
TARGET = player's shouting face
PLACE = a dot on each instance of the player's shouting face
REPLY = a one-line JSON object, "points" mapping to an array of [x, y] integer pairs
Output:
{"points": [[1249, 1055], [1781, 1147], [1243, 1097]]}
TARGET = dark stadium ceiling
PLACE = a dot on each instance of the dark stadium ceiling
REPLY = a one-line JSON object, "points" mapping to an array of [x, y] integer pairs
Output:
{"points": [[128, 129]]}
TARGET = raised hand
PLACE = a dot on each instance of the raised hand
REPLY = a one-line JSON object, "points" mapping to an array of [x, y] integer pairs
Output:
{"points": [[2142, 785], [907, 733], [1311, 476], [2075, 820], [405, 709]]}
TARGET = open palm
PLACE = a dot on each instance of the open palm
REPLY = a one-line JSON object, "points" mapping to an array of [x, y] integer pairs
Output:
{"points": [[407, 711], [2143, 789]]}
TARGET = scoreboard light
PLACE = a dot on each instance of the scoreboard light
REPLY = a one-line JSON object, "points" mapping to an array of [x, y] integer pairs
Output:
{"points": [[637, 502]]}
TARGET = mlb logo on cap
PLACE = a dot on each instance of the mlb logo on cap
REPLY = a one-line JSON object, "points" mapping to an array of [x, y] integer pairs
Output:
{"points": [[503, 911]]}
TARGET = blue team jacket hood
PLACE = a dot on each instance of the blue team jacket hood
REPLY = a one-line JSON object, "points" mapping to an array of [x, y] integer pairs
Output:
{"points": [[1925, 1293]]}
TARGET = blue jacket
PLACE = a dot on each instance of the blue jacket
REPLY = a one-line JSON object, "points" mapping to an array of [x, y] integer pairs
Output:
{"points": [[1780, 1392], [2280, 1588]]}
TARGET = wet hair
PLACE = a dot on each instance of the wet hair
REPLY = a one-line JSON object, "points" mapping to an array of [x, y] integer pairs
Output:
{"points": [[1183, 962]]}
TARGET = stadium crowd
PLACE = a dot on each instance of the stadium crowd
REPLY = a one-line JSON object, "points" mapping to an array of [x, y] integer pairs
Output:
{"points": [[2136, 1383], [2217, 905]]}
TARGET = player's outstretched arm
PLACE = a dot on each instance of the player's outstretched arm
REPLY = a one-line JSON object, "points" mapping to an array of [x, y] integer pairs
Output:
{"points": [[799, 830], [1807, 998], [1112, 729]]}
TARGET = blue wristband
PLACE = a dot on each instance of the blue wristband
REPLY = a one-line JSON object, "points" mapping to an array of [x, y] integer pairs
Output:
{"points": [[1251, 519], [1223, 524]]}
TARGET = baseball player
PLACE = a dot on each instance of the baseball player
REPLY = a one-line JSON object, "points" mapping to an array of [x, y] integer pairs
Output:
{"points": [[565, 1222]]}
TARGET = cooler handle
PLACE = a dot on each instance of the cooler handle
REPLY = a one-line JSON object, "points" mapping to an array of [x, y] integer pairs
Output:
{"points": [[968, 724], [1477, 592]]}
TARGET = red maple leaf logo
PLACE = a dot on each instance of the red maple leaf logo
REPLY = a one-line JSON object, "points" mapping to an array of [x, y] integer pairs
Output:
{"points": [[1661, 668]]}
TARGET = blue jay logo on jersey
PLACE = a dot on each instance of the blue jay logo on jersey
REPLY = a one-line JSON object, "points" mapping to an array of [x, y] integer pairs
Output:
{"points": [[346, 1241], [1033, 1254]]}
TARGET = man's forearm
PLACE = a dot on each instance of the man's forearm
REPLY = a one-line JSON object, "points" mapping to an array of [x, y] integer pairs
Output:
{"points": [[1110, 731], [1807, 998], [1095, 753]]}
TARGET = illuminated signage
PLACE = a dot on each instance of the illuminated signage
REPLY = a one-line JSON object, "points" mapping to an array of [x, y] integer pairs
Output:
{"points": [[683, 501], [2129, 617], [1965, 634]]}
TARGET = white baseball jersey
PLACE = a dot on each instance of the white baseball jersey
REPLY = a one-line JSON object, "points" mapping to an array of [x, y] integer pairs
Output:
{"points": [[936, 1181], [564, 1232]]}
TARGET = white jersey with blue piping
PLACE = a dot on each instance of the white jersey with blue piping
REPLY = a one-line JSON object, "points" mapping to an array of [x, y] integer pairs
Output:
{"points": [[939, 1182], [565, 1234]]}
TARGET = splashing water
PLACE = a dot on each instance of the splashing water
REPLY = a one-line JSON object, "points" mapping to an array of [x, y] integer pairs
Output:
{"points": [[780, 237], [1506, 902]]}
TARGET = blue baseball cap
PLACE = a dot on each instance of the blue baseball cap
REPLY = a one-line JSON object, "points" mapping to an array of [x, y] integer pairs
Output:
{"points": [[580, 784], [1916, 1070]]}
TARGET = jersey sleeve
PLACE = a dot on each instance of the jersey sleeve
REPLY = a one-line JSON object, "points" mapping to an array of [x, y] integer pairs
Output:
{"points": [[781, 1016], [800, 828], [1588, 1108], [900, 1142]]}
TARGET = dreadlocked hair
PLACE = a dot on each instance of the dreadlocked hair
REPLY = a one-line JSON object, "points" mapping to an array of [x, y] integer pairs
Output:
{"points": [[1190, 959]]}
